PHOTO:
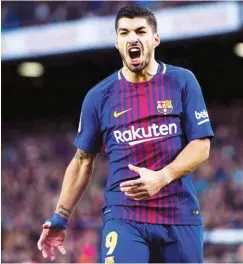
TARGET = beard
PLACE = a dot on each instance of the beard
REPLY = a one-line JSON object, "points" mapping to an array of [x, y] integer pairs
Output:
{"points": [[142, 65]]}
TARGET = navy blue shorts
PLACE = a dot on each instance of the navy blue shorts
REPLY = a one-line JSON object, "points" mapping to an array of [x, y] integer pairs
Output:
{"points": [[133, 242]]}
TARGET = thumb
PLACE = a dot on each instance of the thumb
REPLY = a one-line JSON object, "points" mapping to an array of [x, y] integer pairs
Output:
{"points": [[46, 225], [134, 168]]}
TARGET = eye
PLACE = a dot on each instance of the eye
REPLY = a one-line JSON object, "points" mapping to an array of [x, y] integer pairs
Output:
{"points": [[123, 33], [142, 32]]}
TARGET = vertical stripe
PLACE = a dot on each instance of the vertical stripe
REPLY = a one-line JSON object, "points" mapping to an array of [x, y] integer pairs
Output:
{"points": [[143, 117], [122, 125], [111, 117], [164, 153], [118, 104], [160, 201], [177, 214], [138, 210], [150, 156], [172, 205], [130, 154], [142, 209], [152, 109]]}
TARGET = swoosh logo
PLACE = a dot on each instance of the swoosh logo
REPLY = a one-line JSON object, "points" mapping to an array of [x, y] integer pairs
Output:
{"points": [[121, 113]]}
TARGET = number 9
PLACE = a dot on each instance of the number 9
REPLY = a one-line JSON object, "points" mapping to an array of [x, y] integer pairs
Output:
{"points": [[111, 241]]}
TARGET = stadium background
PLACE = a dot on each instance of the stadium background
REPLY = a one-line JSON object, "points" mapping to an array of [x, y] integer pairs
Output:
{"points": [[40, 117]]}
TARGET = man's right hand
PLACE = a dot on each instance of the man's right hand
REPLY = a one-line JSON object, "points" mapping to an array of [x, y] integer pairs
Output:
{"points": [[52, 237]]}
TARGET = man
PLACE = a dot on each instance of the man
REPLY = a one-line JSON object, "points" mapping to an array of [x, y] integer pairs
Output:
{"points": [[154, 123]]}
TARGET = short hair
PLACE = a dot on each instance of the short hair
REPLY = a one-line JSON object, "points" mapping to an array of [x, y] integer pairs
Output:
{"points": [[133, 11]]}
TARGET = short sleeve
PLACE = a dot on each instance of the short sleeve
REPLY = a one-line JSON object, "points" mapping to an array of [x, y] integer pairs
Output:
{"points": [[89, 138], [195, 116]]}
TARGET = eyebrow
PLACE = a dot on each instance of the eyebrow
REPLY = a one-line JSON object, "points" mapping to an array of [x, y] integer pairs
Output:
{"points": [[136, 29]]}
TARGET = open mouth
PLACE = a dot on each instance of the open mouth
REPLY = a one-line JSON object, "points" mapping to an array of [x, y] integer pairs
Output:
{"points": [[134, 54]]}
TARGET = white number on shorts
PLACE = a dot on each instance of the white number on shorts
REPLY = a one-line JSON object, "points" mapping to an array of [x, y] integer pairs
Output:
{"points": [[111, 241]]}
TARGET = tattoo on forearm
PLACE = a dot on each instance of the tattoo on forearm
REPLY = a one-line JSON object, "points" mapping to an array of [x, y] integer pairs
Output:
{"points": [[80, 154], [64, 211]]}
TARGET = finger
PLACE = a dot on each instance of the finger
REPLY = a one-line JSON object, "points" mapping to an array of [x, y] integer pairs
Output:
{"points": [[134, 168], [45, 251], [46, 225], [62, 250], [141, 198], [52, 253], [41, 241], [134, 189], [136, 195], [131, 183]]}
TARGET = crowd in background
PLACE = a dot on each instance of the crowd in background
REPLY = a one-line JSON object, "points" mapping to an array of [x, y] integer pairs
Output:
{"points": [[27, 13], [34, 158]]}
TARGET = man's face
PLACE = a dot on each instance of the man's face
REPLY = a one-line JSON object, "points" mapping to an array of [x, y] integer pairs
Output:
{"points": [[136, 42]]}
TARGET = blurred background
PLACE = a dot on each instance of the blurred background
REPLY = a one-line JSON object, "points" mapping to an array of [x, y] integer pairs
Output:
{"points": [[52, 54]]}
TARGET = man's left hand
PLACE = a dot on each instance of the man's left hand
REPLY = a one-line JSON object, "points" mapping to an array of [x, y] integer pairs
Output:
{"points": [[149, 183]]}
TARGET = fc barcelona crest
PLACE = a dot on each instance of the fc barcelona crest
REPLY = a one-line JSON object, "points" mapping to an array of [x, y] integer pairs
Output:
{"points": [[165, 107], [109, 260]]}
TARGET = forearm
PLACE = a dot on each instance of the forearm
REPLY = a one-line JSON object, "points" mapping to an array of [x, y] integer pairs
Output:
{"points": [[75, 182], [196, 152]]}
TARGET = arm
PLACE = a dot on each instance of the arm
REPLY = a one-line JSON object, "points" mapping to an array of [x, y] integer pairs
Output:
{"points": [[77, 176], [88, 142], [75, 181], [196, 152]]}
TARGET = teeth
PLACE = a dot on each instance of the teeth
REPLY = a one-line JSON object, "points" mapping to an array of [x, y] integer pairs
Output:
{"points": [[134, 50]]}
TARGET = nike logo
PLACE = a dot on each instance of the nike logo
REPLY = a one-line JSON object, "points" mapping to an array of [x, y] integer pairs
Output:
{"points": [[121, 113]]}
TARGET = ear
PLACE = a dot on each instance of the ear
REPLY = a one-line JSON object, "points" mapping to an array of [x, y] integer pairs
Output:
{"points": [[156, 40], [116, 43]]}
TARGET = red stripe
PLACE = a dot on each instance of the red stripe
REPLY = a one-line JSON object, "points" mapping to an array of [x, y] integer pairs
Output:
{"points": [[135, 111], [116, 109], [169, 157], [123, 126], [111, 116], [131, 154], [160, 202], [153, 106], [164, 158], [177, 183], [150, 158], [143, 112]]}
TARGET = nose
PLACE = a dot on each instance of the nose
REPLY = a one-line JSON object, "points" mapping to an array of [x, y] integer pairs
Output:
{"points": [[133, 38]]}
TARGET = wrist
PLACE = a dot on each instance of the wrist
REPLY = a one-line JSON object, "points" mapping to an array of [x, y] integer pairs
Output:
{"points": [[61, 215], [167, 175], [57, 221], [63, 211]]}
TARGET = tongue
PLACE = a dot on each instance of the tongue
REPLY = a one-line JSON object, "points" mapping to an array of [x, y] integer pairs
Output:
{"points": [[135, 61]]}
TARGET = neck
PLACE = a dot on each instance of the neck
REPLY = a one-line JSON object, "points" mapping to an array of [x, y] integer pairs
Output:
{"points": [[145, 75]]}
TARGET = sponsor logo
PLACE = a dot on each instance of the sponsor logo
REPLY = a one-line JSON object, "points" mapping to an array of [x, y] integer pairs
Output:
{"points": [[165, 107], [200, 115], [203, 114], [134, 136], [109, 260], [121, 113]]}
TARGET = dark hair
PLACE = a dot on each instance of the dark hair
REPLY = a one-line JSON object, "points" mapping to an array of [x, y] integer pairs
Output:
{"points": [[133, 11]]}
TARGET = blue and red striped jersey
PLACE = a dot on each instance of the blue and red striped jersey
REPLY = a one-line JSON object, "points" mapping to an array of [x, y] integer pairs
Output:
{"points": [[146, 124]]}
